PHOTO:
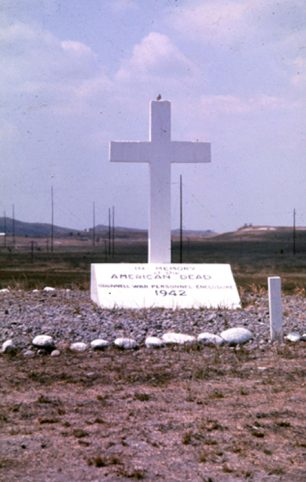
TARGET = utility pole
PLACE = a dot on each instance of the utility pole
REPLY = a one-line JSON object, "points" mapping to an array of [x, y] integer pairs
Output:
{"points": [[93, 224], [13, 225], [181, 219], [294, 232], [4, 228], [109, 232], [105, 250], [52, 220], [32, 251], [113, 231]]}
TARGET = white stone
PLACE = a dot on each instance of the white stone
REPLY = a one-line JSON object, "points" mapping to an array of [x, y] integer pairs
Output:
{"points": [[303, 337], [78, 346], [28, 353], [236, 336], [4, 290], [154, 342], [55, 353], [294, 336], [48, 288], [275, 308], [131, 285], [210, 339], [43, 341], [125, 343], [8, 346], [177, 338], [159, 153], [99, 344]]}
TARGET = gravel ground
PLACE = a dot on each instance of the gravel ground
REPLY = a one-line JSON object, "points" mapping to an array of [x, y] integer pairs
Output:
{"points": [[194, 413], [70, 316]]}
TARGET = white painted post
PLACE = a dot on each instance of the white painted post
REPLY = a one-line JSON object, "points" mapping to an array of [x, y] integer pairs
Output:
{"points": [[275, 308]]}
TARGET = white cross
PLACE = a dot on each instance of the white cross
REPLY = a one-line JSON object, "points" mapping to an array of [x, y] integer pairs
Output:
{"points": [[160, 152]]}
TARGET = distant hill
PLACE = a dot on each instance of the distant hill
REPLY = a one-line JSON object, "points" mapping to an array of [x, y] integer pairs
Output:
{"points": [[120, 232], [42, 230], [194, 234], [245, 233], [261, 233], [33, 229]]}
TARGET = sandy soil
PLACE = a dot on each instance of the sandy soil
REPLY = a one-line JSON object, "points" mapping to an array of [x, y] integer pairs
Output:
{"points": [[178, 414]]}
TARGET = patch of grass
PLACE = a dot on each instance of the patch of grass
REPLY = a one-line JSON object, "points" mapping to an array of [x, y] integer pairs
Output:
{"points": [[43, 399], [38, 377], [227, 469], [132, 473], [103, 399], [191, 437], [187, 437], [15, 408], [216, 394], [46, 420], [243, 391], [257, 433], [3, 418], [210, 425], [141, 396], [104, 460], [283, 423], [267, 452], [7, 463], [80, 433], [203, 458], [207, 373], [277, 471], [210, 441], [99, 420]]}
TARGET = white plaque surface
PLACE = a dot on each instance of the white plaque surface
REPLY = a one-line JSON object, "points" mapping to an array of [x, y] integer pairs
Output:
{"points": [[163, 286]]}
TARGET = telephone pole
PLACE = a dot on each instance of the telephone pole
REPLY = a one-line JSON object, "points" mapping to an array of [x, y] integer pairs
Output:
{"points": [[113, 231], [52, 220], [13, 225], [93, 224], [109, 232], [294, 232], [4, 228]]}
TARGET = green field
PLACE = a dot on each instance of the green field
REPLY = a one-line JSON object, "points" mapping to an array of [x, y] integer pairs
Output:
{"points": [[29, 264]]}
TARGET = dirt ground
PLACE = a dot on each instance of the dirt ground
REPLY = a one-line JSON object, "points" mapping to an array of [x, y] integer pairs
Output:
{"points": [[175, 414]]}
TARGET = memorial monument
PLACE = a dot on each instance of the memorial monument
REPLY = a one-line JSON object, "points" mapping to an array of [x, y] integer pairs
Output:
{"points": [[160, 283]]}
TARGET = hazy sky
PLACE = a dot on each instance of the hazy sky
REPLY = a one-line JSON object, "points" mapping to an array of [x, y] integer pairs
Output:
{"points": [[75, 74]]}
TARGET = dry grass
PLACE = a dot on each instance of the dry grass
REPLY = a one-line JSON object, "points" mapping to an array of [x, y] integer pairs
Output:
{"points": [[175, 415]]}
